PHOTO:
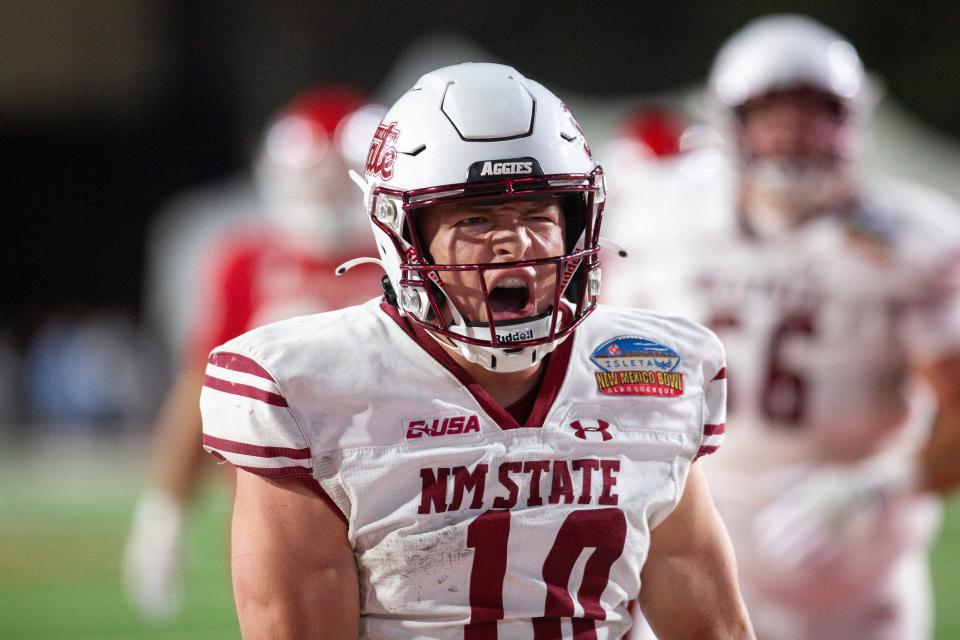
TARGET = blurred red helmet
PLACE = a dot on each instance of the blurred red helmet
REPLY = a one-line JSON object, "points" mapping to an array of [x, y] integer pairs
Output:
{"points": [[657, 129], [324, 107], [301, 167]]}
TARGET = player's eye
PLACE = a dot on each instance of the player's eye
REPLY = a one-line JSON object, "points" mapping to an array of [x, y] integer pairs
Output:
{"points": [[542, 217], [470, 221]]}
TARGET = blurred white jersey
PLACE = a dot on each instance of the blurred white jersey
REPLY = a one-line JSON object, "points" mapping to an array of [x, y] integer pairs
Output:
{"points": [[464, 523], [821, 326]]}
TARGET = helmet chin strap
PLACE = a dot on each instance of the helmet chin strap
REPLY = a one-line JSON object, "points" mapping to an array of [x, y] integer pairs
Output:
{"points": [[500, 360], [497, 359]]}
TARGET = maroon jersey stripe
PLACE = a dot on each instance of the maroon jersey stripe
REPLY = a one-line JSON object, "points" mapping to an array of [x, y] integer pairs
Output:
{"points": [[314, 486], [278, 472], [244, 390], [721, 375], [704, 450], [237, 362], [500, 415], [714, 429], [255, 450], [552, 380], [300, 474]]}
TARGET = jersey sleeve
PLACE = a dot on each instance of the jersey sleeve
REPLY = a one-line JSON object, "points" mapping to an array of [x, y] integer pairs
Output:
{"points": [[714, 412], [927, 243], [932, 322], [248, 422]]}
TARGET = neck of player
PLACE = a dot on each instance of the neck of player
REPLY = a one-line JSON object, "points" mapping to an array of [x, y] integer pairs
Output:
{"points": [[505, 388]]}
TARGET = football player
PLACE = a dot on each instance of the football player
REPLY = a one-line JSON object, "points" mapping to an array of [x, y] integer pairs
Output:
{"points": [[839, 304], [485, 452], [256, 273]]}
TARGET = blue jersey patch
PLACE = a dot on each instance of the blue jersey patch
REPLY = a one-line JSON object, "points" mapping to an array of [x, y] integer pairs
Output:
{"points": [[626, 353]]}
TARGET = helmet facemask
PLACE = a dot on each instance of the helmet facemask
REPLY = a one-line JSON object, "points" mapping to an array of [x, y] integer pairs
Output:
{"points": [[505, 315], [301, 166], [481, 136]]}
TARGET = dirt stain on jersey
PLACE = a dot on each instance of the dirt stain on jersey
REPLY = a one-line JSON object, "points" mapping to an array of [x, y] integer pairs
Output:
{"points": [[415, 568]]}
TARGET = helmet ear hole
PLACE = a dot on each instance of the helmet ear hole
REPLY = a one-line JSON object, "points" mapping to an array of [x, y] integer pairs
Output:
{"points": [[389, 295]]}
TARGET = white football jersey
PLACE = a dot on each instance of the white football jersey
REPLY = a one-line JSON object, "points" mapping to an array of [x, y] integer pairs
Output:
{"points": [[464, 523], [822, 326]]}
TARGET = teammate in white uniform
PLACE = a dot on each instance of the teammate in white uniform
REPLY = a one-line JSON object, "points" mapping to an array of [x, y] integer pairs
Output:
{"points": [[257, 272], [482, 460], [829, 298]]}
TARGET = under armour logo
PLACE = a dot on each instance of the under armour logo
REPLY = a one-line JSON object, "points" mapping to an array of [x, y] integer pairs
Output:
{"points": [[603, 428]]}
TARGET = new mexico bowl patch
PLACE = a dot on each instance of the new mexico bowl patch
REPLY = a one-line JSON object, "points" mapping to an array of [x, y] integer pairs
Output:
{"points": [[635, 366]]}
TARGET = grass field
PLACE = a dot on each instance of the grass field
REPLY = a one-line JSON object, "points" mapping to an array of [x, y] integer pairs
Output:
{"points": [[62, 527]]}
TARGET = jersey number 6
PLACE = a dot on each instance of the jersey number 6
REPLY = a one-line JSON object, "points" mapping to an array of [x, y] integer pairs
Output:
{"points": [[603, 530], [783, 397]]}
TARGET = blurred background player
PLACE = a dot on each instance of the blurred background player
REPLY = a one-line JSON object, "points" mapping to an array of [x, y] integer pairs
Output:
{"points": [[256, 271], [643, 151], [839, 304]]}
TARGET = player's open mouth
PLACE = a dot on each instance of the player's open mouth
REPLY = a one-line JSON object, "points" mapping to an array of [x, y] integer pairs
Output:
{"points": [[510, 299]]}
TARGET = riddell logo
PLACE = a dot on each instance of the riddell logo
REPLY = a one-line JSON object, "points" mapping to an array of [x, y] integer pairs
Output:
{"points": [[581, 430], [501, 168], [568, 270], [445, 426], [516, 336]]}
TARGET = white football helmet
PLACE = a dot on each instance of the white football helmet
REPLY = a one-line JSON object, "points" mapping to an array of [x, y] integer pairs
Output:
{"points": [[785, 53], [301, 166], [480, 131]]}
